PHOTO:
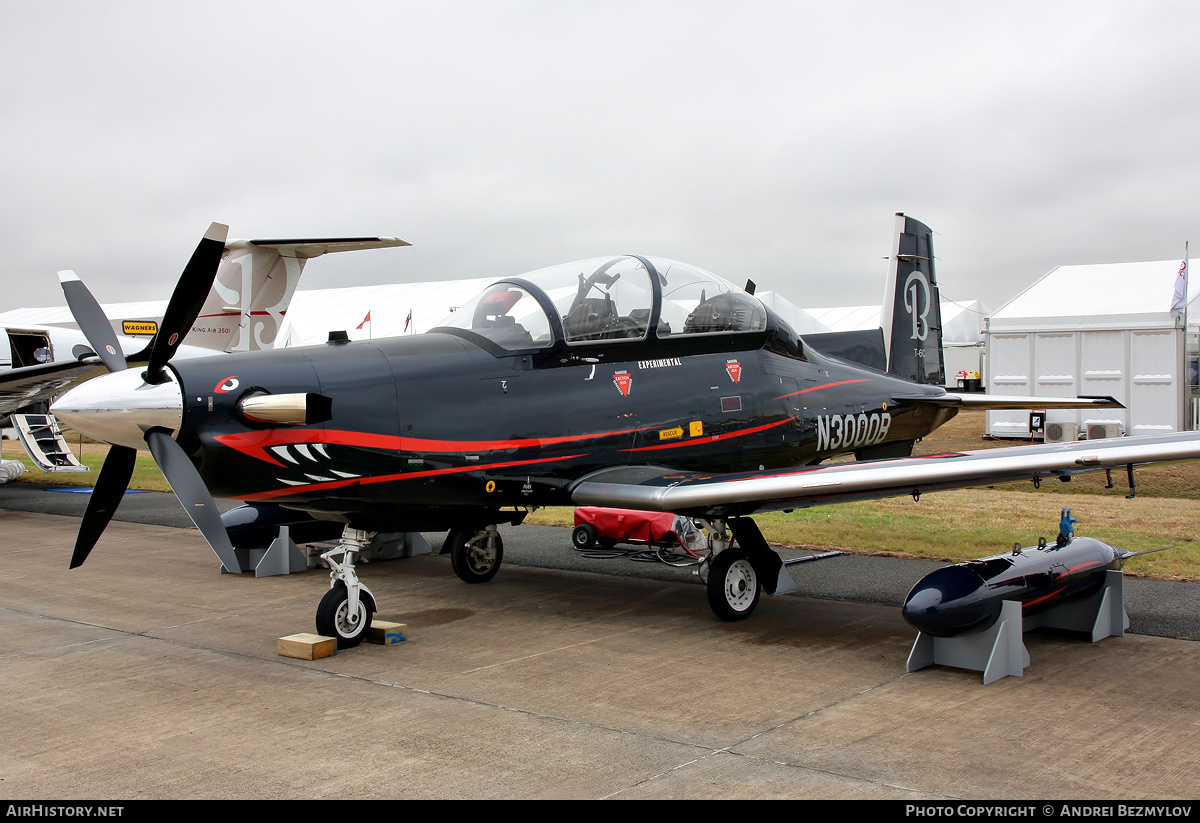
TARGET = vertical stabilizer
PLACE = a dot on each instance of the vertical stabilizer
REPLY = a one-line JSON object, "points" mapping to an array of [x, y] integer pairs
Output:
{"points": [[911, 316], [255, 284], [248, 299]]}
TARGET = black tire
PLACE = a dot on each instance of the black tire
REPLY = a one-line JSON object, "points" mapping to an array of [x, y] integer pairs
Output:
{"points": [[584, 537], [733, 587], [333, 618], [471, 558]]}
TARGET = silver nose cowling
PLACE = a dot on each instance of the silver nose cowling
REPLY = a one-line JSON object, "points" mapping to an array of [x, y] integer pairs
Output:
{"points": [[119, 408]]}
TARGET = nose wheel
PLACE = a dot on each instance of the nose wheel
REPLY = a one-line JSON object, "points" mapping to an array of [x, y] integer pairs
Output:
{"points": [[336, 618], [733, 586]]}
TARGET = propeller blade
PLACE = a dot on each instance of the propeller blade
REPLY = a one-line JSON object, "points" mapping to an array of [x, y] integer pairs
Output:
{"points": [[106, 496], [193, 494], [187, 299], [92, 320]]}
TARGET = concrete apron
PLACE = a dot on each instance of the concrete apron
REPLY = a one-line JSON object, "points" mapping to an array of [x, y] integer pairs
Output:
{"points": [[146, 674]]}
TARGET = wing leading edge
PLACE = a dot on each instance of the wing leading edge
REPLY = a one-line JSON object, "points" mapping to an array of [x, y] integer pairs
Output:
{"points": [[725, 495]]}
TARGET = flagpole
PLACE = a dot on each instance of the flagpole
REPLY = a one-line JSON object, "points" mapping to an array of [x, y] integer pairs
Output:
{"points": [[1189, 391]]}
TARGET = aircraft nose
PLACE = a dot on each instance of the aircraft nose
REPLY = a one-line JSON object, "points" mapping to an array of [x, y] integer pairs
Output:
{"points": [[119, 408]]}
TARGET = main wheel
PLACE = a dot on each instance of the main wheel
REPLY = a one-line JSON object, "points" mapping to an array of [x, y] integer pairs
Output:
{"points": [[334, 618], [475, 556], [584, 537], [733, 588]]}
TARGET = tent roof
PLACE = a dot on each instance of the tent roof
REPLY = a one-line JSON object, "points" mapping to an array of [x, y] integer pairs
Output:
{"points": [[962, 322], [1100, 289]]}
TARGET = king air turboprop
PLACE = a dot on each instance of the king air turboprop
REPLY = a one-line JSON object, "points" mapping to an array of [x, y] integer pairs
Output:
{"points": [[628, 381], [242, 311]]}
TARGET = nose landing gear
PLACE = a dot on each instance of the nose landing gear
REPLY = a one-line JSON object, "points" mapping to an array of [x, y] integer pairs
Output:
{"points": [[345, 610]]}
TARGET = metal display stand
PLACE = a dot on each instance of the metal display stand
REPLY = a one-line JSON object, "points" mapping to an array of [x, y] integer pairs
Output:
{"points": [[999, 651], [285, 557]]}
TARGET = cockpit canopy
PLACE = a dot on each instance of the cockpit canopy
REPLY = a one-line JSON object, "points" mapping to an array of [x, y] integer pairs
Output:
{"points": [[605, 299]]}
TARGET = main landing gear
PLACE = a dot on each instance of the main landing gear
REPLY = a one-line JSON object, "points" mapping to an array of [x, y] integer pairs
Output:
{"points": [[345, 610], [475, 555], [736, 573]]}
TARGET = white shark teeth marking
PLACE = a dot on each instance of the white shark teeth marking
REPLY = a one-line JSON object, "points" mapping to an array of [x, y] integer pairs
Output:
{"points": [[291, 482], [316, 478], [303, 449], [344, 474], [283, 452], [321, 448]]}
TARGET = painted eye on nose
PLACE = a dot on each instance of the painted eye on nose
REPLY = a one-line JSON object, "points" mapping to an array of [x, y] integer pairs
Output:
{"points": [[227, 385]]}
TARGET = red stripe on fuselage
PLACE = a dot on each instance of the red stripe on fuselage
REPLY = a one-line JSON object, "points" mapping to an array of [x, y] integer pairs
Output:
{"points": [[696, 441], [238, 314], [825, 386], [255, 444]]}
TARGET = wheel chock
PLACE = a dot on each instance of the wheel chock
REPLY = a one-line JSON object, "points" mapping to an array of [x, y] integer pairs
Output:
{"points": [[306, 646], [386, 633]]}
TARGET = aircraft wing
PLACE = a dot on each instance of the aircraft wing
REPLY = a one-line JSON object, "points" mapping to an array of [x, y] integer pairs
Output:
{"points": [[726, 495], [22, 387]]}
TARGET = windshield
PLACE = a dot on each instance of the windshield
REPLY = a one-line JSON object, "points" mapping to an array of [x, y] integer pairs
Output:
{"points": [[507, 315]]}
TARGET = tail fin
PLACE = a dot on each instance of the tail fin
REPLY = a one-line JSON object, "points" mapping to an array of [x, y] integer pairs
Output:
{"points": [[912, 315], [254, 286]]}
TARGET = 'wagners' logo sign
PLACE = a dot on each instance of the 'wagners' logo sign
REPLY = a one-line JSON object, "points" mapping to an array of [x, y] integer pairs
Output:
{"points": [[135, 328]]}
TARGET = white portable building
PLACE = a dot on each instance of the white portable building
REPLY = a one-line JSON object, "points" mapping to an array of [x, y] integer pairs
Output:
{"points": [[1103, 329]]}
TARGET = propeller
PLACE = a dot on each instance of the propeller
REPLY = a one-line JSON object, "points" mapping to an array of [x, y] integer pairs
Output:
{"points": [[192, 494], [106, 496], [92, 321], [185, 304], [187, 300]]}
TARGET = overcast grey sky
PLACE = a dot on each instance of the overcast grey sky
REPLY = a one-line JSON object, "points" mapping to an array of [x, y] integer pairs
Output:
{"points": [[770, 140]]}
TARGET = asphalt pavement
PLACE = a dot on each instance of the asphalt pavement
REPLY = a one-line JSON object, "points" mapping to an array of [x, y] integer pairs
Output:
{"points": [[1161, 608]]}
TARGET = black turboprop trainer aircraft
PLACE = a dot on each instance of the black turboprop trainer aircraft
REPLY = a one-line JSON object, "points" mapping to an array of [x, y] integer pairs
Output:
{"points": [[628, 381]]}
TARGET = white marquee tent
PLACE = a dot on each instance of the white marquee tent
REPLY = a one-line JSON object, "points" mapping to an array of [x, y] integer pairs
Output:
{"points": [[1102, 329]]}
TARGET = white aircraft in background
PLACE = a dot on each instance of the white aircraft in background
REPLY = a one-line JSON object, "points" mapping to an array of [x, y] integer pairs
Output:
{"points": [[43, 352]]}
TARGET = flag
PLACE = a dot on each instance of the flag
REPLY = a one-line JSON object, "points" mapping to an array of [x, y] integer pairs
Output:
{"points": [[365, 321], [1179, 298], [408, 320]]}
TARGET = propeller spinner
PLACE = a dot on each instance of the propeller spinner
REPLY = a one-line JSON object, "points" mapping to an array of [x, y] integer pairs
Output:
{"points": [[131, 409]]}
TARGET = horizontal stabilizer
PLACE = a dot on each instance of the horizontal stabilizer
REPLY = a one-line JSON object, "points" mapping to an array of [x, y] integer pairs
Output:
{"points": [[998, 402], [308, 248]]}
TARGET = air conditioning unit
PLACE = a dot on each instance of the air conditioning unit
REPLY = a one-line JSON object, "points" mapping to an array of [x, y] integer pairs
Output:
{"points": [[1062, 432], [1103, 431]]}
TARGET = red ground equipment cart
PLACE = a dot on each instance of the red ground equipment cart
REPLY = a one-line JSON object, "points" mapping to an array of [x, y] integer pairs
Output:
{"points": [[608, 527]]}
